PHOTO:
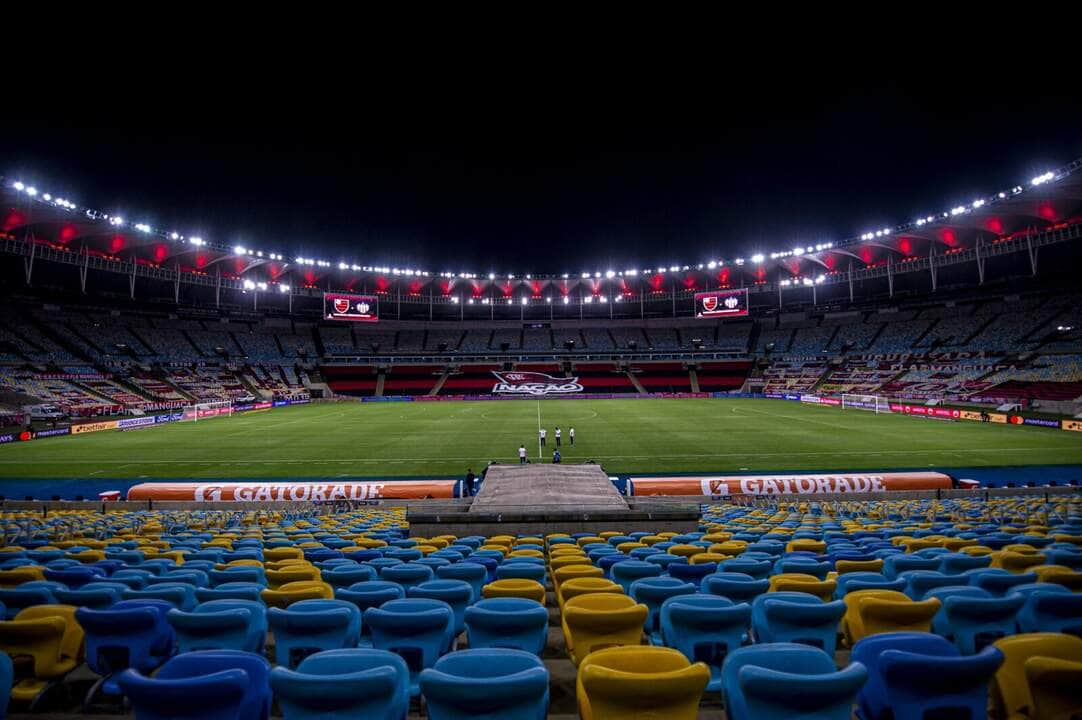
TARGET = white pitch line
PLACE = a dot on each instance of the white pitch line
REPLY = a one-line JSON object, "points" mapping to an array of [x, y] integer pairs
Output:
{"points": [[539, 455]]}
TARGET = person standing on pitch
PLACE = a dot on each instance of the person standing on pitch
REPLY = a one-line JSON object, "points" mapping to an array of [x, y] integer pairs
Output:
{"points": [[556, 457], [522, 454], [557, 436], [541, 435], [571, 435]]}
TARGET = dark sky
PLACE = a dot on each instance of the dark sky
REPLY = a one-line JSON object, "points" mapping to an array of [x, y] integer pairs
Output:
{"points": [[557, 172]]}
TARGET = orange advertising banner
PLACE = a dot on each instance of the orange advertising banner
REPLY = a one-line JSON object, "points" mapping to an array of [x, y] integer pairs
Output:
{"points": [[293, 491], [93, 427], [824, 484], [1074, 425]]}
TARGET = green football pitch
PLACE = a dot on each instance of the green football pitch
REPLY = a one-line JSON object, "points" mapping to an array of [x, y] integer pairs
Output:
{"points": [[443, 439]]}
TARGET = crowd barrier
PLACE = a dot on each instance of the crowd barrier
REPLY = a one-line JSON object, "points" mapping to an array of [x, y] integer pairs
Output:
{"points": [[295, 491], [795, 484]]}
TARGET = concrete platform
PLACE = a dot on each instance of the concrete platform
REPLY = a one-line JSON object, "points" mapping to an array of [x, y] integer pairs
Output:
{"points": [[547, 489]]}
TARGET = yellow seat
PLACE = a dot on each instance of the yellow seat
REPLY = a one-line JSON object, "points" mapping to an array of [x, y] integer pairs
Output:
{"points": [[729, 547], [913, 545], [599, 620], [570, 572], [17, 576], [563, 561], [87, 556], [1054, 686], [1024, 548], [1016, 563], [526, 553], [287, 594], [958, 544], [584, 586], [639, 683], [506, 540], [609, 534], [369, 543], [437, 544], [239, 563], [627, 547], [870, 612], [1012, 696], [651, 539], [298, 573], [847, 566], [717, 536], [427, 549], [807, 544], [980, 550], [287, 563], [686, 550], [1064, 537], [588, 540], [706, 557], [515, 587], [800, 582], [48, 639], [1061, 575], [282, 553]]}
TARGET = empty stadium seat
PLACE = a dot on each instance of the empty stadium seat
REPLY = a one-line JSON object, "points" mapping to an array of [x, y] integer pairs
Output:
{"points": [[494, 683], [514, 623], [221, 625], [796, 617], [705, 628], [600, 620], [359, 682], [418, 629], [625, 683], [1012, 696]]}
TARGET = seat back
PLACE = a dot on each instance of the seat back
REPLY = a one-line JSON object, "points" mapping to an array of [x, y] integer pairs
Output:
{"points": [[627, 682], [486, 683], [514, 623], [1011, 694]]}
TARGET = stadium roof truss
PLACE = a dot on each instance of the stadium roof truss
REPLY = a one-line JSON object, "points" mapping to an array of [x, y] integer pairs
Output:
{"points": [[1048, 211]]}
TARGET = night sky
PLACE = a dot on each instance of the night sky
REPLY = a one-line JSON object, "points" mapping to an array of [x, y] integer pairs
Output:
{"points": [[599, 173]]}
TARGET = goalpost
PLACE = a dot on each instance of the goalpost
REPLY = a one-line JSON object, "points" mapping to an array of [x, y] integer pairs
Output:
{"points": [[204, 410], [872, 403]]}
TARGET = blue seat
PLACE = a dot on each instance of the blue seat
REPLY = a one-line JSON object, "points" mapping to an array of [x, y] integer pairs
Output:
{"points": [[407, 574], [363, 556], [738, 587], [369, 594], [894, 565], [131, 634], [383, 562], [971, 621], [180, 595], [157, 566], [1050, 608], [999, 583], [75, 577], [802, 564], [487, 684], [757, 569], [238, 573], [524, 560], [653, 592], [134, 578], [418, 629], [607, 562], [522, 571], [665, 560], [796, 617], [202, 685], [190, 576], [230, 591], [7, 679], [311, 626], [221, 625], [96, 595], [952, 563], [489, 563], [705, 628], [404, 554], [515, 623], [693, 574], [775, 681], [345, 575], [627, 572], [469, 571], [851, 582], [915, 675], [919, 582], [26, 595], [353, 683], [456, 593]]}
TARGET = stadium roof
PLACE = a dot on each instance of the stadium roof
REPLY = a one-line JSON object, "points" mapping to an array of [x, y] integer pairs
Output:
{"points": [[1048, 201]]}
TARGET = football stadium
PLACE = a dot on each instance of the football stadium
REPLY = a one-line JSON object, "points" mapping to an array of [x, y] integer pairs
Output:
{"points": [[820, 480]]}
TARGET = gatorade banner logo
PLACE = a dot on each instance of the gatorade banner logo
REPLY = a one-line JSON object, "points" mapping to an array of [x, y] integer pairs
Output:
{"points": [[832, 484], [293, 491], [534, 383], [721, 303]]}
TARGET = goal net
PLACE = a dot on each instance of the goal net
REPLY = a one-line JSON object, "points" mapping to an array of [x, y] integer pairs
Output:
{"points": [[204, 410], [872, 403]]}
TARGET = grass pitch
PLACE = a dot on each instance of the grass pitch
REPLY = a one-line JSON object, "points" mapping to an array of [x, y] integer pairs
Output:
{"points": [[442, 439]]}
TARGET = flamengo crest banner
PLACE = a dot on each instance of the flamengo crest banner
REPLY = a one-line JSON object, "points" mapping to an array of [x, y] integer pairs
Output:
{"points": [[358, 308], [721, 303], [534, 383]]}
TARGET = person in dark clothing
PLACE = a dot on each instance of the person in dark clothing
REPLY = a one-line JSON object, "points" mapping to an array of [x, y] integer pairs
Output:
{"points": [[556, 457], [471, 483]]}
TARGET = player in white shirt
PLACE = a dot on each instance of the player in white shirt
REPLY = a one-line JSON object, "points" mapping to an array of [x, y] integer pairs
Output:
{"points": [[521, 454], [541, 434], [557, 437], [571, 435]]}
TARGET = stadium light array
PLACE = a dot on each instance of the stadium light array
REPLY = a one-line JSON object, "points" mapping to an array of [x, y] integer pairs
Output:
{"points": [[566, 300], [283, 289], [980, 202]]}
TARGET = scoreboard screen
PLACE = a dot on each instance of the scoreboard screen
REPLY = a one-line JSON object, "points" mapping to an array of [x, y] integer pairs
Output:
{"points": [[721, 303], [355, 308]]}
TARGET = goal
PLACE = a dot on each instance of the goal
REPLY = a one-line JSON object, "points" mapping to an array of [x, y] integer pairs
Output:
{"points": [[204, 410], [872, 403]]}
